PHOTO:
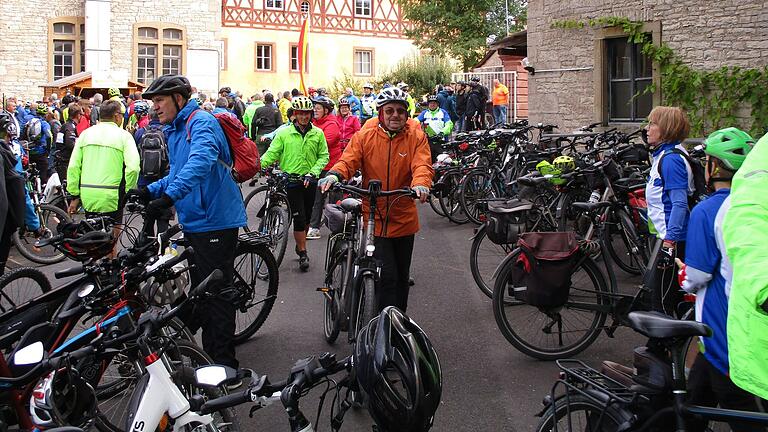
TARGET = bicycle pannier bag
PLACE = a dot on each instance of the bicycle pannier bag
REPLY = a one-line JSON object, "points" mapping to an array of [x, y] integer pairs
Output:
{"points": [[541, 275], [506, 220]]}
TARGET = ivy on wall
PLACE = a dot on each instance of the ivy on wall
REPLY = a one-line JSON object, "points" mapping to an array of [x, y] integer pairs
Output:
{"points": [[711, 97]]}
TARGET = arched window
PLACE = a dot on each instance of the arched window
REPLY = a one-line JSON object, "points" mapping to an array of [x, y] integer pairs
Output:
{"points": [[66, 46], [159, 50]]}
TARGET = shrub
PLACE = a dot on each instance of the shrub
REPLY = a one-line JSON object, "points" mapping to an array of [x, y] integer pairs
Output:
{"points": [[420, 72]]}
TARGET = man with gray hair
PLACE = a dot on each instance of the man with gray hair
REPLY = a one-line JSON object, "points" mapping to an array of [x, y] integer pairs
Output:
{"points": [[97, 101]]}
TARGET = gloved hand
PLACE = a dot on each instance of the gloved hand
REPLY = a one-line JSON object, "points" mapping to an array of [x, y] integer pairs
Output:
{"points": [[156, 207], [309, 179], [422, 192], [666, 257], [142, 194], [326, 182]]}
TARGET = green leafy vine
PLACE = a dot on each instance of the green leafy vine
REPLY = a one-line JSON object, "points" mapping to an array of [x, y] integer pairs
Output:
{"points": [[712, 98]]}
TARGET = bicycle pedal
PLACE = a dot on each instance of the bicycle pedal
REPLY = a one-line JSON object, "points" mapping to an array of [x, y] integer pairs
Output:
{"points": [[325, 290]]}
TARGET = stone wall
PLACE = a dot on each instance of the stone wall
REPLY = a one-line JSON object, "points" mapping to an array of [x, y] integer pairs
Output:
{"points": [[24, 31], [706, 35]]}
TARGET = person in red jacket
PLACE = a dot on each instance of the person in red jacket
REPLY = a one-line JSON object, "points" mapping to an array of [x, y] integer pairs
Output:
{"points": [[329, 123], [348, 123]]}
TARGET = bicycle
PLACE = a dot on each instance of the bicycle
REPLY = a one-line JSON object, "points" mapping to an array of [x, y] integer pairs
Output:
{"points": [[593, 400], [273, 210], [351, 270], [50, 217]]}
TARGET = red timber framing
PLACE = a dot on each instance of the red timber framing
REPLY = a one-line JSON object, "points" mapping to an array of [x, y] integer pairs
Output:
{"points": [[328, 16]]}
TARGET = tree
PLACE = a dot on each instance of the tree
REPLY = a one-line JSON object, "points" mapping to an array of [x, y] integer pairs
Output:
{"points": [[460, 28]]}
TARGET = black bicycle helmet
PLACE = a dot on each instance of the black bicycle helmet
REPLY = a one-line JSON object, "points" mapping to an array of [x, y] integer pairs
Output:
{"points": [[81, 243], [397, 367], [169, 85], [324, 101], [432, 98], [6, 123]]}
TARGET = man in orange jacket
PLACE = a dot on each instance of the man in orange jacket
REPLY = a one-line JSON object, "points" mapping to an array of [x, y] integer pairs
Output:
{"points": [[393, 149]]}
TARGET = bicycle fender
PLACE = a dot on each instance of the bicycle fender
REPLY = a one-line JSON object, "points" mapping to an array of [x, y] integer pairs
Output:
{"points": [[133, 405], [510, 256], [478, 230]]}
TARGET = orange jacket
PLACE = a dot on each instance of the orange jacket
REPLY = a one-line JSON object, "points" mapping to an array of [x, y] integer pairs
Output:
{"points": [[403, 160]]}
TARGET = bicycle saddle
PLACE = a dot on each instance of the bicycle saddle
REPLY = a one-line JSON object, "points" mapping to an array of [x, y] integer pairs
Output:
{"points": [[351, 204], [656, 325], [590, 207], [509, 206]]}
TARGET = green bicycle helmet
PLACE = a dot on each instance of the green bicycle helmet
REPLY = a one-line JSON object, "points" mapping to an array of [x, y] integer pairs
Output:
{"points": [[730, 146], [42, 109], [302, 103], [113, 92]]}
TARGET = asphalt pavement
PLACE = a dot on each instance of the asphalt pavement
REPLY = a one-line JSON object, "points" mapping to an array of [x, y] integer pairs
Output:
{"points": [[487, 383]]}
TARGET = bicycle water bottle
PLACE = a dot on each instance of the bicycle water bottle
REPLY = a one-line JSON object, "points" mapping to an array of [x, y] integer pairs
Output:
{"points": [[595, 197]]}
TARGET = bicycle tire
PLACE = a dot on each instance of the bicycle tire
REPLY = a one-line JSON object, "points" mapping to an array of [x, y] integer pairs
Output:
{"points": [[253, 205], [635, 251], [275, 223], [255, 272], [20, 285], [332, 301], [198, 357], [532, 318], [26, 244], [565, 410], [434, 202], [569, 218], [450, 203], [496, 253], [365, 305], [474, 186]]}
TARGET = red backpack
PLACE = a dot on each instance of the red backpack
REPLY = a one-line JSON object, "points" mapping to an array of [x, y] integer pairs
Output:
{"points": [[245, 155]]}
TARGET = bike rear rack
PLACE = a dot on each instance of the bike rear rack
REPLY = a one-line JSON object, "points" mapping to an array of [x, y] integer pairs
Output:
{"points": [[254, 238]]}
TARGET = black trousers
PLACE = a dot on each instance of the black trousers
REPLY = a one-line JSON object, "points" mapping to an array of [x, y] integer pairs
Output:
{"points": [[395, 256], [6, 241], [216, 316], [661, 280], [707, 386], [41, 161], [302, 199]]}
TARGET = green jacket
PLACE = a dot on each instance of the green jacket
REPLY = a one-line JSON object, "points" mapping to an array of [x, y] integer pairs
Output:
{"points": [[104, 154], [745, 232], [297, 154], [248, 115], [411, 105]]}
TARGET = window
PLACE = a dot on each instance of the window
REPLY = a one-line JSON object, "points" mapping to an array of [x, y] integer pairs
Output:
{"points": [[263, 57], [363, 8], [305, 7], [159, 50], [273, 4], [295, 59], [629, 74], [363, 62], [171, 59], [147, 66], [66, 46]]}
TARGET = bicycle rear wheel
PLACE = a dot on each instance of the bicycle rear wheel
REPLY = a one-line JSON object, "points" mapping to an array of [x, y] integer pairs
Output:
{"points": [[575, 412], [21, 285], [50, 217], [484, 257], [450, 200], [255, 283], [553, 333], [475, 186], [624, 245]]}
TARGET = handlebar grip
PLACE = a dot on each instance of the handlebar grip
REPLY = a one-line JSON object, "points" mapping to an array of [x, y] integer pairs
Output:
{"points": [[172, 231], [226, 401], [72, 271]]}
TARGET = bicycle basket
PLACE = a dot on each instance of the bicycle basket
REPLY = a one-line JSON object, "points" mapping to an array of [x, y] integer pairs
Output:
{"points": [[506, 220], [335, 218], [541, 275]]}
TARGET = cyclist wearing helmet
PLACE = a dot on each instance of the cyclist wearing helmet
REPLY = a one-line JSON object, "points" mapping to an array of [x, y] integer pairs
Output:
{"points": [[40, 139], [12, 190], [708, 272], [367, 103], [393, 352], [329, 123], [354, 102], [302, 151], [114, 94], [411, 103], [348, 123], [436, 123], [392, 149], [746, 234], [207, 200]]}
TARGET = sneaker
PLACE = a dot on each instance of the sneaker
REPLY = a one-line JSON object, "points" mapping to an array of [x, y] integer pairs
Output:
{"points": [[313, 234], [303, 261]]}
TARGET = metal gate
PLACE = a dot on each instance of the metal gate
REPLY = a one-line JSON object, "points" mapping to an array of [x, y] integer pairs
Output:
{"points": [[508, 78]]}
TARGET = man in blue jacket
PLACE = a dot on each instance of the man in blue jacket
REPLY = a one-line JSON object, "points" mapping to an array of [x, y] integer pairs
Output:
{"points": [[354, 102], [208, 203]]}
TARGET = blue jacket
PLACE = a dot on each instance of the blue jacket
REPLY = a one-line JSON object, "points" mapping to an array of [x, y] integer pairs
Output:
{"points": [[43, 145], [21, 117], [354, 105], [202, 189]]}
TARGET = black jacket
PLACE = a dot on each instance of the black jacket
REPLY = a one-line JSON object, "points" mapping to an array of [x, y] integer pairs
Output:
{"points": [[265, 120], [70, 135], [475, 103], [12, 203], [461, 103]]}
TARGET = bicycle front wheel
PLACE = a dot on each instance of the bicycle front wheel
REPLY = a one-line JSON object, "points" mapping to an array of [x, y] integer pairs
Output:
{"points": [[50, 217], [20, 285], [553, 333], [364, 304], [474, 187], [255, 282], [337, 274], [575, 412], [276, 224], [450, 199], [624, 245]]}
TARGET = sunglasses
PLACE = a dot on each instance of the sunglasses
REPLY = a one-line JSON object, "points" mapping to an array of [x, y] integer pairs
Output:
{"points": [[398, 111]]}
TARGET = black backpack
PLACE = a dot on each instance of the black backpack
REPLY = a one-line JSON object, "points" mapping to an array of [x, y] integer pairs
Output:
{"points": [[699, 181], [153, 151]]}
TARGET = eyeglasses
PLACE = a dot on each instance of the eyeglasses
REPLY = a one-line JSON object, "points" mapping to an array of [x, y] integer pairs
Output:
{"points": [[398, 111]]}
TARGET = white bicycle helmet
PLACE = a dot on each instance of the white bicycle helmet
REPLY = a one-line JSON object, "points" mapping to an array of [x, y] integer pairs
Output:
{"points": [[391, 94]]}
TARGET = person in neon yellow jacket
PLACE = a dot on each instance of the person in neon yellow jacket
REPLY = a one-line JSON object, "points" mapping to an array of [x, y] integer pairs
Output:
{"points": [[746, 241], [411, 102]]}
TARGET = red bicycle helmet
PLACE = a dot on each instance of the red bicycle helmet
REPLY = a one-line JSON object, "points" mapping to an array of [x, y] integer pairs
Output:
{"points": [[397, 367]]}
